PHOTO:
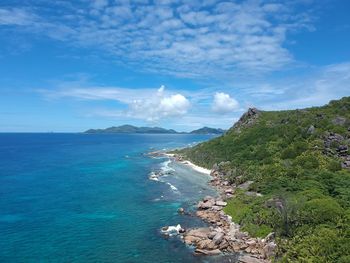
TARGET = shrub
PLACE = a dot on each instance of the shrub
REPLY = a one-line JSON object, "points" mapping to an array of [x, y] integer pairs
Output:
{"points": [[334, 165], [320, 211], [307, 161], [319, 245]]}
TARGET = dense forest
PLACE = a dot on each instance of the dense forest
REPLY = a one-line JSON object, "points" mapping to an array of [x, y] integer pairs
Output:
{"points": [[298, 163]]}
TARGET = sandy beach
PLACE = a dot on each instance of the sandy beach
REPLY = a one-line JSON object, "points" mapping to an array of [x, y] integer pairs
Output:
{"points": [[196, 167], [191, 165]]}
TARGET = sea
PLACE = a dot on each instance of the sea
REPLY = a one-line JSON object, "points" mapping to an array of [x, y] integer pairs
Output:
{"points": [[89, 198]]}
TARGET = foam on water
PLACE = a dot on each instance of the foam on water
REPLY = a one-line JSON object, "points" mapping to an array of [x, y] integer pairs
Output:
{"points": [[153, 176], [165, 168], [172, 187], [172, 230], [165, 171]]}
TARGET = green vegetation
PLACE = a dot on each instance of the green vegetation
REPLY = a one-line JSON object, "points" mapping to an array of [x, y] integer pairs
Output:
{"points": [[151, 130], [207, 130], [131, 129], [294, 158]]}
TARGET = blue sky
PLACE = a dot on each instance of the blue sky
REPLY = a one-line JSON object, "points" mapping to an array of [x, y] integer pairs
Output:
{"points": [[73, 65]]}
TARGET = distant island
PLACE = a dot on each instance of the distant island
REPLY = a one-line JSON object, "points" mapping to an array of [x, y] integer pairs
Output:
{"points": [[151, 130], [207, 130]]}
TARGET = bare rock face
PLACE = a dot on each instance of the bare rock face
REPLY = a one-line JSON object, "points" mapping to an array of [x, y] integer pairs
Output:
{"points": [[339, 121], [311, 129], [218, 238], [342, 150], [336, 145], [247, 119], [346, 163], [269, 250]]}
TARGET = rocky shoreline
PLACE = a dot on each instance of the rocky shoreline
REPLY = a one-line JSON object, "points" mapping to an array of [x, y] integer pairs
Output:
{"points": [[223, 235]]}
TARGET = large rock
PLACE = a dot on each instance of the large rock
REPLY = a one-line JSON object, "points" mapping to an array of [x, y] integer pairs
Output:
{"points": [[339, 121], [218, 238], [269, 250], [246, 120], [208, 252], [191, 240], [207, 198], [249, 259], [220, 203], [270, 237], [223, 245], [212, 234], [206, 244], [206, 205], [194, 235], [311, 129], [345, 164], [342, 150], [229, 191], [245, 185]]}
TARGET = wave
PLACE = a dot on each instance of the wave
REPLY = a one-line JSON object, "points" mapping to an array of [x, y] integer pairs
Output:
{"points": [[164, 171], [172, 187], [153, 176], [165, 168], [171, 230]]}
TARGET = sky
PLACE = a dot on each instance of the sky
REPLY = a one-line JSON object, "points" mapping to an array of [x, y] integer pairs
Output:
{"points": [[67, 66]]}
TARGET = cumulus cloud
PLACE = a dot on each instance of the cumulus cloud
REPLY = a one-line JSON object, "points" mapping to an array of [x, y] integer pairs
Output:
{"points": [[182, 38], [158, 106], [223, 103], [147, 104]]}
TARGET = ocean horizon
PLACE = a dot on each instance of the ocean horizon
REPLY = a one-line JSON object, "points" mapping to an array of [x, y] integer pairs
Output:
{"points": [[71, 197]]}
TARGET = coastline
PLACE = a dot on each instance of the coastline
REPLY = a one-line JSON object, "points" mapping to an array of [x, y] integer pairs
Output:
{"points": [[189, 164], [222, 236]]}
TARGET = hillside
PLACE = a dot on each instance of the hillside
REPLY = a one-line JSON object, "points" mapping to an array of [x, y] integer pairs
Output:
{"points": [[207, 130], [151, 130], [131, 129], [299, 163]]}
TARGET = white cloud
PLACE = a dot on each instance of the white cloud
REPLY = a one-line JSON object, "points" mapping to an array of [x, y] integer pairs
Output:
{"points": [[147, 104], [158, 106], [174, 105], [223, 103], [191, 108], [191, 39], [317, 88], [15, 16]]}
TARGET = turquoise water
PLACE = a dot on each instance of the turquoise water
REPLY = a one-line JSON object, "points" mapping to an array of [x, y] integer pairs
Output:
{"points": [[87, 198]]}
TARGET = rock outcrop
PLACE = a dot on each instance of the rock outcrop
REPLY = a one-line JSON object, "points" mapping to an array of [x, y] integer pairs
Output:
{"points": [[337, 145], [223, 235], [246, 120]]}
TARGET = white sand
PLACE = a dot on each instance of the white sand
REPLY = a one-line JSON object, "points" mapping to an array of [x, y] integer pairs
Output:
{"points": [[192, 165], [197, 168]]}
